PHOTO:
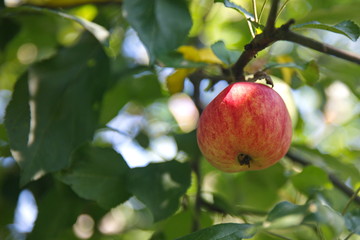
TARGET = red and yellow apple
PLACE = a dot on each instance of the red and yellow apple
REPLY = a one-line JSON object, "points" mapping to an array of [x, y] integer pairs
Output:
{"points": [[246, 127]]}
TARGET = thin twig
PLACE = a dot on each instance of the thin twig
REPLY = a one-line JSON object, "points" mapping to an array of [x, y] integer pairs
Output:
{"points": [[335, 181]]}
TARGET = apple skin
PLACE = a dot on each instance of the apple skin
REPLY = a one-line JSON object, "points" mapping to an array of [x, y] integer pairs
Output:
{"points": [[246, 127]]}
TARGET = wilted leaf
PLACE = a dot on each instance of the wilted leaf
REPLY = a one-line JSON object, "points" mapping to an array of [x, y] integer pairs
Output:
{"points": [[157, 23], [346, 28], [167, 182], [225, 231], [227, 56], [98, 174], [52, 110]]}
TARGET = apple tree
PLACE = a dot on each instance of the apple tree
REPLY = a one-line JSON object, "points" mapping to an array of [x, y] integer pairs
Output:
{"points": [[100, 102]]}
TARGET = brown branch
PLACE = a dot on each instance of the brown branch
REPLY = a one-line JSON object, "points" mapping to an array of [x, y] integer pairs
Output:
{"points": [[260, 42], [321, 47], [332, 177], [270, 23], [272, 34]]}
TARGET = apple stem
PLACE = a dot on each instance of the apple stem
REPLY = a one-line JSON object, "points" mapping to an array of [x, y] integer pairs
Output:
{"points": [[244, 159]]}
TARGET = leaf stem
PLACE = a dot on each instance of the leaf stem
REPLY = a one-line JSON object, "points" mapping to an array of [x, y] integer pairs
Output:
{"points": [[254, 10], [282, 8], [262, 10]]}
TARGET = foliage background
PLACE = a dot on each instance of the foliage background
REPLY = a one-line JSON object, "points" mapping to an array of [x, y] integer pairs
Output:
{"points": [[100, 149]]}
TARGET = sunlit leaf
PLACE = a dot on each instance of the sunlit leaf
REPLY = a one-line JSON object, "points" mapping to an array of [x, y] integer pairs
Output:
{"points": [[98, 174], [64, 3], [175, 81], [167, 182], [98, 31], [237, 7], [286, 214], [53, 108], [156, 22], [228, 231], [226, 56], [325, 215], [346, 28], [205, 55]]}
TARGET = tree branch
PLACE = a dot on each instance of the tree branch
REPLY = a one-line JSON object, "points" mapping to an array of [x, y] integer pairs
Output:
{"points": [[270, 23], [272, 34], [321, 47], [332, 177]]}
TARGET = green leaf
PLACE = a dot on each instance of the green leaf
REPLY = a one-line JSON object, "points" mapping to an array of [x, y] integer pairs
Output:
{"points": [[225, 231], [143, 139], [54, 108], [310, 74], [141, 87], [325, 215], [352, 221], [227, 56], [252, 187], [286, 214], [167, 182], [8, 30], [284, 65], [99, 32], [176, 60], [187, 142], [58, 210], [346, 28], [237, 7], [98, 174], [157, 23], [310, 180], [181, 223]]}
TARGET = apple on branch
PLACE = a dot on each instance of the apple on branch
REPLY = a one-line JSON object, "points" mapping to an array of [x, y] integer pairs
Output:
{"points": [[246, 127]]}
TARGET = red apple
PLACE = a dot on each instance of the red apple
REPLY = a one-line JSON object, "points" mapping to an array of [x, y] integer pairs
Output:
{"points": [[246, 127]]}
